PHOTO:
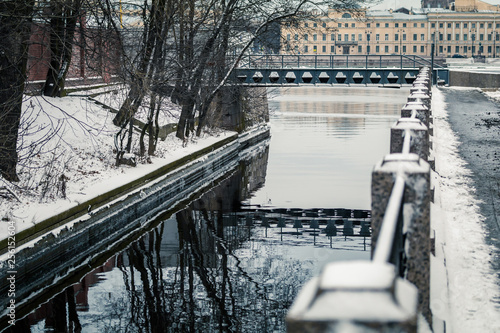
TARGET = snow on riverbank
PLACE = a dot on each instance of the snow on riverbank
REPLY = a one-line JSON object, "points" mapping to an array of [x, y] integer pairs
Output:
{"points": [[465, 287], [74, 160]]}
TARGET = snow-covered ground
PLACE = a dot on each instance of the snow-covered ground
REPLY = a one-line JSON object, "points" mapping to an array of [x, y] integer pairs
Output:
{"points": [[67, 156], [463, 287]]}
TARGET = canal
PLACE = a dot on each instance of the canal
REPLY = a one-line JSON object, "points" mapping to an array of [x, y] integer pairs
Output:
{"points": [[234, 258]]}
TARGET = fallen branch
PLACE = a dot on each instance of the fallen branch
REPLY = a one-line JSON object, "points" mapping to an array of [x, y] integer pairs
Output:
{"points": [[8, 188]]}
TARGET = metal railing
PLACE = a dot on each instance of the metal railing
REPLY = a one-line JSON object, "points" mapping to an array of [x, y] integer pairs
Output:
{"points": [[281, 61]]}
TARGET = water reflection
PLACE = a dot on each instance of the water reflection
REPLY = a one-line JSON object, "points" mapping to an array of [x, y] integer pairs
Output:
{"points": [[325, 142], [204, 269]]}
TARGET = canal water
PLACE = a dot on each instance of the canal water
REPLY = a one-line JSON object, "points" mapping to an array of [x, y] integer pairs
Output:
{"points": [[223, 263]]}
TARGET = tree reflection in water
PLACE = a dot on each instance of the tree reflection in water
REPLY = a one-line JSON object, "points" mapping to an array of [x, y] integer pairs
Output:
{"points": [[202, 270]]}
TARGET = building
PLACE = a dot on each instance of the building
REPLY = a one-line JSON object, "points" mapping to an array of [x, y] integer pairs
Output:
{"points": [[468, 28]]}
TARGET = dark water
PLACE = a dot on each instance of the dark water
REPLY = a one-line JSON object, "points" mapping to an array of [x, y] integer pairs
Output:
{"points": [[213, 266]]}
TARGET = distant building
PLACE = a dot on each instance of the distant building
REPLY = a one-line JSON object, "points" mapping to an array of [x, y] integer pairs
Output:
{"points": [[469, 27]]}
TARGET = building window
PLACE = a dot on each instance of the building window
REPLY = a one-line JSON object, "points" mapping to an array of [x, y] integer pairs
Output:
{"points": [[296, 37], [360, 37], [449, 25], [422, 25], [440, 36], [457, 49], [415, 37], [404, 25], [353, 25], [332, 37], [489, 49], [332, 49], [324, 37], [489, 25], [288, 37], [323, 48], [346, 15], [433, 25], [404, 36], [368, 49], [396, 48], [339, 37], [404, 48], [414, 25], [377, 25], [465, 37], [448, 37], [306, 37], [360, 49], [422, 36], [396, 25], [473, 25], [346, 37], [386, 48], [449, 49], [315, 48], [498, 25], [387, 25], [306, 49], [481, 25], [457, 25], [481, 37], [465, 25], [386, 37], [346, 25], [306, 25], [489, 37], [296, 49], [324, 25], [396, 37], [368, 25], [414, 48], [422, 49], [315, 25], [377, 49], [457, 37], [440, 48], [377, 37], [440, 25], [315, 37], [340, 25]]}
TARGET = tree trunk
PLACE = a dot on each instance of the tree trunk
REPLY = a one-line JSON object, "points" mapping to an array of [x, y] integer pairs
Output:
{"points": [[62, 33], [15, 28]]}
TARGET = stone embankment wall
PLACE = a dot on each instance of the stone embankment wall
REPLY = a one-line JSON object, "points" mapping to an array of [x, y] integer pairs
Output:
{"points": [[465, 78]]}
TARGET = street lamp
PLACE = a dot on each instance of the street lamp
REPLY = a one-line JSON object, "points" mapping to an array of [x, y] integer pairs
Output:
{"points": [[368, 34], [400, 31]]}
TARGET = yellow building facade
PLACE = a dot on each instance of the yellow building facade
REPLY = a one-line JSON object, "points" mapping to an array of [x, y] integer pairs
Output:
{"points": [[470, 28]]}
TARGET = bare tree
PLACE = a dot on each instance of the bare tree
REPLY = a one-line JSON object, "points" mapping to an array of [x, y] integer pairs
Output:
{"points": [[15, 25], [64, 15]]}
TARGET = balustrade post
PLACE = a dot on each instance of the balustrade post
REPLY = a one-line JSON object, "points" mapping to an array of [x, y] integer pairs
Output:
{"points": [[416, 216], [419, 143], [417, 110], [355, 296]]}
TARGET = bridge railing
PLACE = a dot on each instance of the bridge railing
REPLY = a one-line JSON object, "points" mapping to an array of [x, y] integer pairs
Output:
{"points": [[281, 61], [391, 290]]}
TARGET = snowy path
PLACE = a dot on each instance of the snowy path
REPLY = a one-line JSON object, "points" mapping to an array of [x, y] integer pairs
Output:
{"points": [[466, 268]]}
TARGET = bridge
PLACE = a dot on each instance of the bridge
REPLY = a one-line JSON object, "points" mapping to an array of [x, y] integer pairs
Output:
{"points": [[277, 70]]}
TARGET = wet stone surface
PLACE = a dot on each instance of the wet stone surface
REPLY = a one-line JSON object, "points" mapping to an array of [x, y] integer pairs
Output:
{"points": [[476, 120]]}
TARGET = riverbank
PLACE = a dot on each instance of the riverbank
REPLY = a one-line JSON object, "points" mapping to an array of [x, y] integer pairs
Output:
{"points": [[71, 170]]}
